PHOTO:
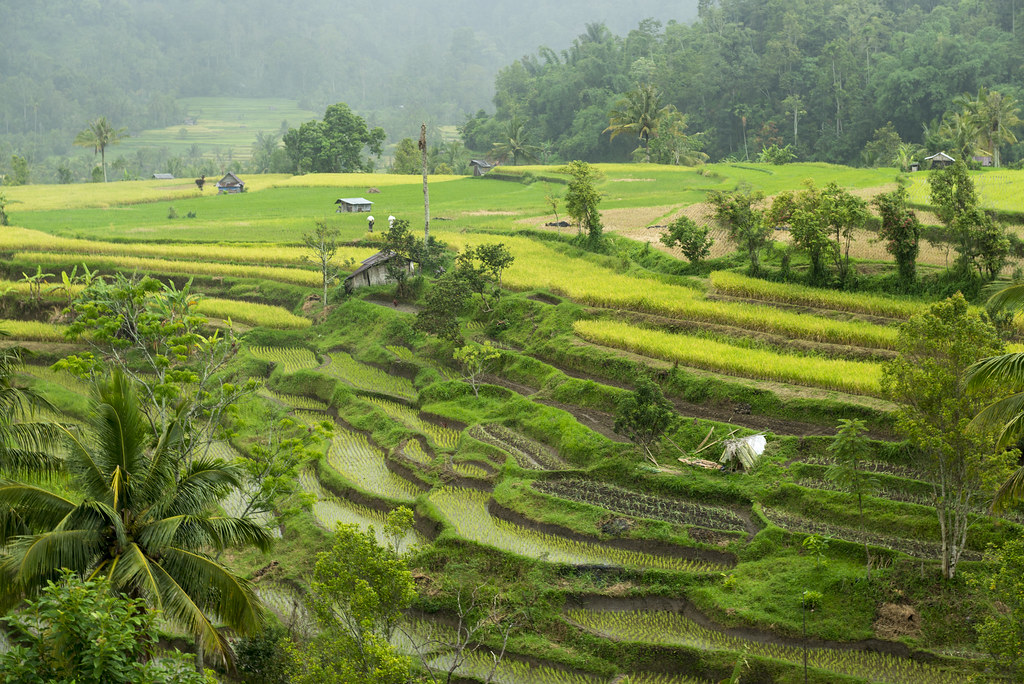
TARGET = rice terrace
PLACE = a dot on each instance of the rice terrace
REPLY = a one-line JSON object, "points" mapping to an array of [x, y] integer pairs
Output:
{"points": [[360, 347], [530, 476]]}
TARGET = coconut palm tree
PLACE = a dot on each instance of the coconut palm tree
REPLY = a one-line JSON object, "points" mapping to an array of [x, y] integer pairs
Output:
{"points": [[637, 113], [962, 130], [994, 115], [99, 135], [515, 142], [1006, 370], [139, 518]]}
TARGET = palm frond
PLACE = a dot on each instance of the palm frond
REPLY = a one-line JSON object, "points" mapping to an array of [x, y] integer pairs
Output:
{"points": [[179, 606], [120, 429], [1011, 491], [1006, 370], [133, 569], [33, 559], [1005, 296], [87, 468], [38, 507], [203, 483], [228, 596]]}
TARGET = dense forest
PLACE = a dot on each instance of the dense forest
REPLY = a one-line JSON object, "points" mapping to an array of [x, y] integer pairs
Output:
{"points": [[820, 75], [737, 75]]}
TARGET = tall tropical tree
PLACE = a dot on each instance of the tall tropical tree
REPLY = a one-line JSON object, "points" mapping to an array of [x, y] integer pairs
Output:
{"points": [[961, 129], [139, 519], [637, 113], [515, 142], [994, 116], [99, 135]]}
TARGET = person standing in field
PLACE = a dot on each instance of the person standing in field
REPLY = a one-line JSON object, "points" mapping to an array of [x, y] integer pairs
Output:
{"points": [[391, 222], [200, 182], [369, 222]]}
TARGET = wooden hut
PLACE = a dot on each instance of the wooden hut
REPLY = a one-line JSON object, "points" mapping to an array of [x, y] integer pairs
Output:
{"points": [[480, 167], [352, 205], [940, 160], [230, 183], [374, 271]]}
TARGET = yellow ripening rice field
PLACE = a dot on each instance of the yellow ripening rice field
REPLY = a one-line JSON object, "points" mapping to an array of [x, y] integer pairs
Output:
{"points": [[740, 285], [295, 276], [32, 331], [263, 315], [355, 180], [857, 377], [539, 266], [22, 239], [97, 195]]}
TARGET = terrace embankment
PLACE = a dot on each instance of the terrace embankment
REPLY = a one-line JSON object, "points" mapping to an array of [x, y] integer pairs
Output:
{"points": [[733, 412], [653, 547], [691, 612]]}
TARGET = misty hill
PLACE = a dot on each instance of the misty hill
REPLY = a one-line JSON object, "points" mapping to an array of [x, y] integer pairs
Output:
{"points": [[67, 61]]}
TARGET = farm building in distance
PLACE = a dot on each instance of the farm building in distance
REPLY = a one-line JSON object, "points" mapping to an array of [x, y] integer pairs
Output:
{"points": [[230, 183], [940, 160], [352, 204], [480, 167], [163, 176], [374, 271]]}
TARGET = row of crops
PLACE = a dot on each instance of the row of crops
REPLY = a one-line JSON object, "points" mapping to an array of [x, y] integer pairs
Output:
{"points": [[441, 436], [466, 511], [673, 629], [739, 285], [803, 525], [526, 452], [16, 239], [540, 266], [365, 466], [290, 359], [858, 377], [330, 511], [364, 377], [249, 313], [295, 276], [641, 505]]}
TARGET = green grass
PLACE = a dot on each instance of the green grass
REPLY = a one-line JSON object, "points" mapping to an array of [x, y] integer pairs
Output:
{"points": [[225, 125]]}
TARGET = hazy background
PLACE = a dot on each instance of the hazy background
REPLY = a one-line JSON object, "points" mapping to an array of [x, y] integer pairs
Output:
{"points": [[63, 62]]}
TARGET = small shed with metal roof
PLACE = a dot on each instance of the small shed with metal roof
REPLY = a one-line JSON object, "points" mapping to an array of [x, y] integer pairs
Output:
{"points": [[230, 183], [940, 160], [352, 204], [480, 167]]}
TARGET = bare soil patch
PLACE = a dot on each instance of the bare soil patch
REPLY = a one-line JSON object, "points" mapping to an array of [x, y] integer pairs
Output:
{"points": [[895, 621]]}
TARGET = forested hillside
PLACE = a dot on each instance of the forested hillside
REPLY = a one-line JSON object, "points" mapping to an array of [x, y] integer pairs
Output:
{"points": [[818, 74], [68, 61]]}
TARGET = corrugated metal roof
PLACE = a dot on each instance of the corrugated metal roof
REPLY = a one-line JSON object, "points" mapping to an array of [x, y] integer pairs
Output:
{"points": [[352, 200]]}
